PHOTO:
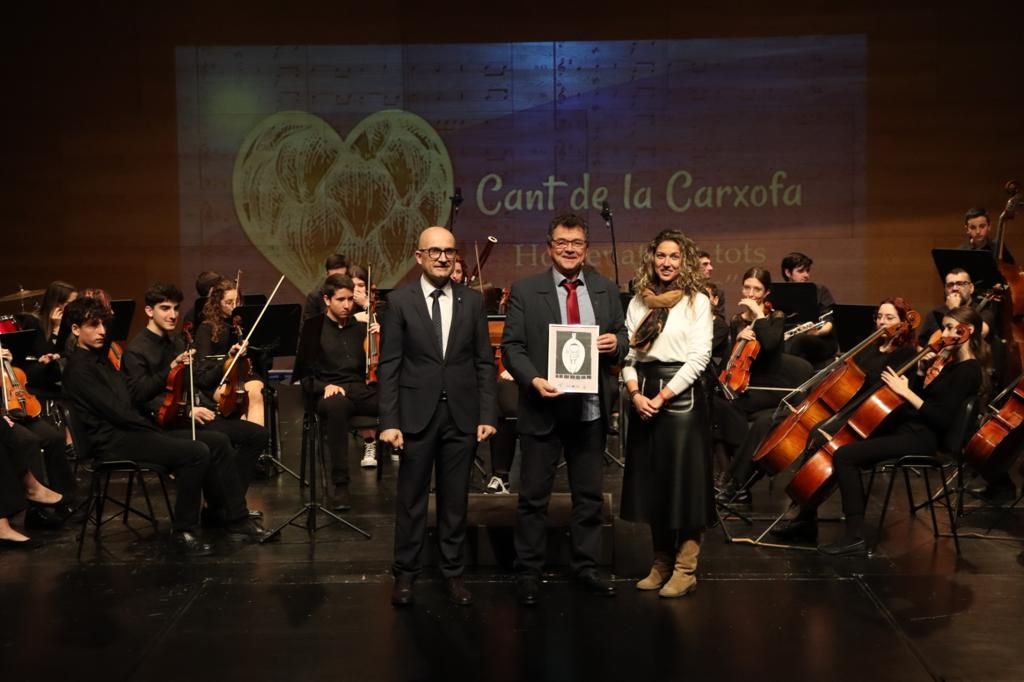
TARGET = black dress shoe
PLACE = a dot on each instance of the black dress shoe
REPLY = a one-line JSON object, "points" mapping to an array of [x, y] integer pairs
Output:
{"points": [[797, 530], [457, 592], [187, 543], [995, 494], [31, 543], [255, 514], [734, 495], [845, 547], [44, 515], [342, 500], [592, 582], [247, 530], [528, 589], [401, 593]]}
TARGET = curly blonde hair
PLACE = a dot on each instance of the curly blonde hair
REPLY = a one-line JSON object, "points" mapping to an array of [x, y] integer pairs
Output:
{"points": [[690, 280], [212, 314]]}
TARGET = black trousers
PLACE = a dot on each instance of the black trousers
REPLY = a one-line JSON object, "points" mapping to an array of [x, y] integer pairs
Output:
{"points": [[336, 415], [35, 435], [13, 465], [248, 439], [503, 443], [441, 446], [742, 466], [849, 460], [582, 444], [205, 466]]}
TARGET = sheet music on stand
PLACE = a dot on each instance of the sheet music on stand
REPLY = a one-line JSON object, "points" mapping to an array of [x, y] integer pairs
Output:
{"points": [[798, 300]]}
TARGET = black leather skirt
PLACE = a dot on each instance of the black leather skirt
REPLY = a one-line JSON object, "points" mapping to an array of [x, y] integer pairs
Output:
{"points": [[668, 478]]}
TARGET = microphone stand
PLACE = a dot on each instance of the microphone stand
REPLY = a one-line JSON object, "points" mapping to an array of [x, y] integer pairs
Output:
{"points": [[456, 200], [606, 214]]}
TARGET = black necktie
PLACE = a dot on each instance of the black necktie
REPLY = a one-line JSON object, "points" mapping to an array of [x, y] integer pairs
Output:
{"points": [[435, 313]]}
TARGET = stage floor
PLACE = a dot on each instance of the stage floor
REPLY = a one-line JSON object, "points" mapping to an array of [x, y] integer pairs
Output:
{"points": [[299, 610]]}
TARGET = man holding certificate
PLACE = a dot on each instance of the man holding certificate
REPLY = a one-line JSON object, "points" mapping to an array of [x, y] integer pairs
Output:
{"points": [[566, 384]]}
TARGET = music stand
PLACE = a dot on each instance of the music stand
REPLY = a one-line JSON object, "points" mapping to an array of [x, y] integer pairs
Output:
{"points": [[980, 265], [124, 313], [852, 324], [19, 343], [798, 300], [277, 335]]}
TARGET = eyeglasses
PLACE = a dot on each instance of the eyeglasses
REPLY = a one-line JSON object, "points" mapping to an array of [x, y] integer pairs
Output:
{"points": [[434, 253], [954, 285], [563, 244]]}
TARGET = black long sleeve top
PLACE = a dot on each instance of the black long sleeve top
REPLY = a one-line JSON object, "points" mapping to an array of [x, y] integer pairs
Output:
{"points": [[147, 363]]}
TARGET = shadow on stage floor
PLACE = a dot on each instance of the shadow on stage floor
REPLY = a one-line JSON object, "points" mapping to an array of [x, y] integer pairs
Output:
{"points": [[302, 610]]}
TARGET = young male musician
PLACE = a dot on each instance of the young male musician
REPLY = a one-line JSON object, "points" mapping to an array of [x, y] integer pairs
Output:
{"points": [[979, 237], [149, 359], [815, 345], [103, 405], [331, 365], [336, 264]]}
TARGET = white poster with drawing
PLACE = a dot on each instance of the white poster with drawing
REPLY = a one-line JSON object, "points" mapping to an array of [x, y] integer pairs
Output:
{"points": [[572, 357]]}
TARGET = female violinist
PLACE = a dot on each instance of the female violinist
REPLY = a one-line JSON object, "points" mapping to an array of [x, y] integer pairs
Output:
{"points": [[917, 426], [743, 422], [217, 337], [44, 374], [889, 351], [667, 482]]}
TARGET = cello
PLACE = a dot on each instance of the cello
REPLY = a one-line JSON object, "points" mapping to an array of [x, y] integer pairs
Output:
{"points": [[814, 482], [838, 385], [999, 438]]}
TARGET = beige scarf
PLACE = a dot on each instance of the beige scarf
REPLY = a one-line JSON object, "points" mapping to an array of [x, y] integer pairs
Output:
{"points": [[654, 321]]}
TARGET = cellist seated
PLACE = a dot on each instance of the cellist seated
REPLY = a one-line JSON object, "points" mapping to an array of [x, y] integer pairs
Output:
{"points": [[218, 341], [331, 365]]}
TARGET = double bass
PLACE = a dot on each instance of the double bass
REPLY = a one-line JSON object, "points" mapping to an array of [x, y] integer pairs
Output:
{"points": [[813, 482], [1012, 274]]}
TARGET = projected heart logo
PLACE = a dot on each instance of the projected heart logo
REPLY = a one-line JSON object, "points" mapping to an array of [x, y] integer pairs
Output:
{"points": [[302, 192]]}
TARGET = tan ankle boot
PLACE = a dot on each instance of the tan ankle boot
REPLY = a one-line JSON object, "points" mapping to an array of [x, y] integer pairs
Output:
{"points": [[661, 569], [683, 580]]}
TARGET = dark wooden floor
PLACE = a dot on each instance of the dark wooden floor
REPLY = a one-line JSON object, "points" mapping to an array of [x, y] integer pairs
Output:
{"points": [[299, 610]]}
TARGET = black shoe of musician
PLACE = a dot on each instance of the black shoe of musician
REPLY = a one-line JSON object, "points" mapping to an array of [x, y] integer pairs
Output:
{"points": [[996, 493], [844, 547], [733, 495], [797, 530], [401, 593], [46, 515], [528, 589], [342, 500], [188, 544], [255, 514], [458, 594], [247, 530], [591, 581]]}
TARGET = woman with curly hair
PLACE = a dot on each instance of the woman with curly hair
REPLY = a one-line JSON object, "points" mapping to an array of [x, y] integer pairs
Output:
{"points": [[667, 482]]}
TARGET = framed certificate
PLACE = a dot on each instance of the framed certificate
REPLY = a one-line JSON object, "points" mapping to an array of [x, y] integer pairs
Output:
{"points": [[572, 357]]}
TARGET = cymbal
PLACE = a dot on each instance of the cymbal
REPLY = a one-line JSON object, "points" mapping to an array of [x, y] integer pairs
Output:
{"points": [[22, 294]]}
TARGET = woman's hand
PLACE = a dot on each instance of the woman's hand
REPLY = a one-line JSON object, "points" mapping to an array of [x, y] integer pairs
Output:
{"points": [[747, 334], [897, 383], [644, 406], [756, 307]]}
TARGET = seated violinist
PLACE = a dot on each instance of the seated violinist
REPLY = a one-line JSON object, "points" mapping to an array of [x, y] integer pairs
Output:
{"points": [[959, 291], [979, 238], [103, 405], [43, 366], [740, 423], [915, 428], [815, 345], [218, 340], [336, 264], [149, 359], [331, 366]]}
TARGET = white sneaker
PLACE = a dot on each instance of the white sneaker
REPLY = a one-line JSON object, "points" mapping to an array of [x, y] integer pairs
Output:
{"points": [[369, 460], [496, 486]]}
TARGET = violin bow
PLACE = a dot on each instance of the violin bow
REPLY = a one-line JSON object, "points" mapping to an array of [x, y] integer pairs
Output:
{"points": [[245, 342]]}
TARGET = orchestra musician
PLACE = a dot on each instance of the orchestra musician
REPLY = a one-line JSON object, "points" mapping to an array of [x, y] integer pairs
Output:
{"points": [[815, 345], [103, 404], [916, 428], [742, 423], [331, 366], [459, 271], [668, 478], [978, 228], [959, 291], [217, 341], [205, 280], [335, 264], [552, 424], [158, 349], [20, 488], [720, 327], [44, 374]]}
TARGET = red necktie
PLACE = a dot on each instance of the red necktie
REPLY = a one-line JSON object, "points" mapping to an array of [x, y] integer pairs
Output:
{"points": [[572, 304]]}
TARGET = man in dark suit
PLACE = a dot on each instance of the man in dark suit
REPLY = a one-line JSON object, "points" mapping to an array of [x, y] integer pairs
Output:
{"points": [[552, 423], [437, 401]]}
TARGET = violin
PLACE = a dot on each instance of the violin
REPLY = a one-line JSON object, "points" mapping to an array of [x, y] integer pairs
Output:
{"points": [[839, 384], [114, 354], [999, 438], [814, 482], [371, 345], [17, 401], [175, 406], [237, 370], [736, 375]]}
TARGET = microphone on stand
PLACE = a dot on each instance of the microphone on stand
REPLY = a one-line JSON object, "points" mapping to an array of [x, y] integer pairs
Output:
{"points": [[606, 214], [456, 201]]}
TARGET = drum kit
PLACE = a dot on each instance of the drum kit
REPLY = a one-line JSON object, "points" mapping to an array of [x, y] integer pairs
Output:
{"points": [[9, 323]]}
